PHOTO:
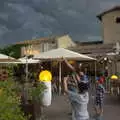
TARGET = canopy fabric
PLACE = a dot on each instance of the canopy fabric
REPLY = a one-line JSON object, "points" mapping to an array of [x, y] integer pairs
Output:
{"points": [[10, 62], [59, 53], [7, 59], [25, 60]]}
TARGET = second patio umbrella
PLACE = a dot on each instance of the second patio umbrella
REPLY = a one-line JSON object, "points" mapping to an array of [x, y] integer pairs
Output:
{"points": [[58, 54]]}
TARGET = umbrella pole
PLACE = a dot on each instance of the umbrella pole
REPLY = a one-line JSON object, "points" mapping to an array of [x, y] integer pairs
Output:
{"points": [[95, 74], [59, 77], [26, 70], [95, 70], [26, 82]]}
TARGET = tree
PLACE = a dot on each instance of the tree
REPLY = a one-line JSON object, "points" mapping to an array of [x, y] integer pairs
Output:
{"points": [[12, 91], [12, 50]]}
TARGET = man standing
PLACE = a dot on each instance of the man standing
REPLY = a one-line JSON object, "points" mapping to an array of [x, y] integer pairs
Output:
{"points": [[79, 100]]}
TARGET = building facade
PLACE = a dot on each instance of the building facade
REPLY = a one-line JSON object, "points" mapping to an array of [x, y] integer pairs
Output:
{"points": [[110, 46], [110, 20], [45, 44]]}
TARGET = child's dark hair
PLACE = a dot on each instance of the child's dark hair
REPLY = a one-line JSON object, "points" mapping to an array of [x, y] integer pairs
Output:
{"points": [[83, 87]]}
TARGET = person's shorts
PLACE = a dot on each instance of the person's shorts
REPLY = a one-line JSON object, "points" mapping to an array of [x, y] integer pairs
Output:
{"points": [[99, 103]]}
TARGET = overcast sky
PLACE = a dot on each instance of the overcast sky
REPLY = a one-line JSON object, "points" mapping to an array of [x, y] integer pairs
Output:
{"points": [[28, 19]]}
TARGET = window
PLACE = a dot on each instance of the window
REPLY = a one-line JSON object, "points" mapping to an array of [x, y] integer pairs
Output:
{"points": [[53, 42], [41, 47], [118, 20], [45, 47]]}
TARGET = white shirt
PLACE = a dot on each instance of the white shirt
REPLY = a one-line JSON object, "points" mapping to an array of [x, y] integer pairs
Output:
{"points": [[79, 104]]}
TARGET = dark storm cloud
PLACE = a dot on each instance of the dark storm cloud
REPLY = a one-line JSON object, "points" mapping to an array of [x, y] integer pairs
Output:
{"points": [[28, 19]]}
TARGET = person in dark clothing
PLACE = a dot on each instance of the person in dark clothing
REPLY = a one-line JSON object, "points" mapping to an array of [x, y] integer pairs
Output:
{"points": [[99, 97]]}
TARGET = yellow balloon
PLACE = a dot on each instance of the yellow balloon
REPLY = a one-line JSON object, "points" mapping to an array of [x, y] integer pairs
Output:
{"points": [[114, 77], [45, 76]]}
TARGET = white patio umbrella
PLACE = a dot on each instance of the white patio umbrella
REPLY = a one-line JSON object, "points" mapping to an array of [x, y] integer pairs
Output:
{"points": [[12, 62], [58, 54], [5, 59], [25, 60]]}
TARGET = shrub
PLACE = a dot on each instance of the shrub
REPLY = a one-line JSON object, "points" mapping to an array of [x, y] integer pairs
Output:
{"points": [[10, 101], [36, 92]]}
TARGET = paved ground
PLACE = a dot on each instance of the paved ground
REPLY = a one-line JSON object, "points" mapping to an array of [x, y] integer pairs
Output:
{"points": [[60, 108]]}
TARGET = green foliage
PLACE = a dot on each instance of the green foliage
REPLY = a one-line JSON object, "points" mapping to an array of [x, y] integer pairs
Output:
{"points": [[10, 101], [36, 92], [12, 50], [10, 68], [10, 97]]}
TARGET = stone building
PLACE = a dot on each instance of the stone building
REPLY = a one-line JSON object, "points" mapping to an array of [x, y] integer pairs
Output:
{"points": [[110, 20], [109, 47], [37, 46]]}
